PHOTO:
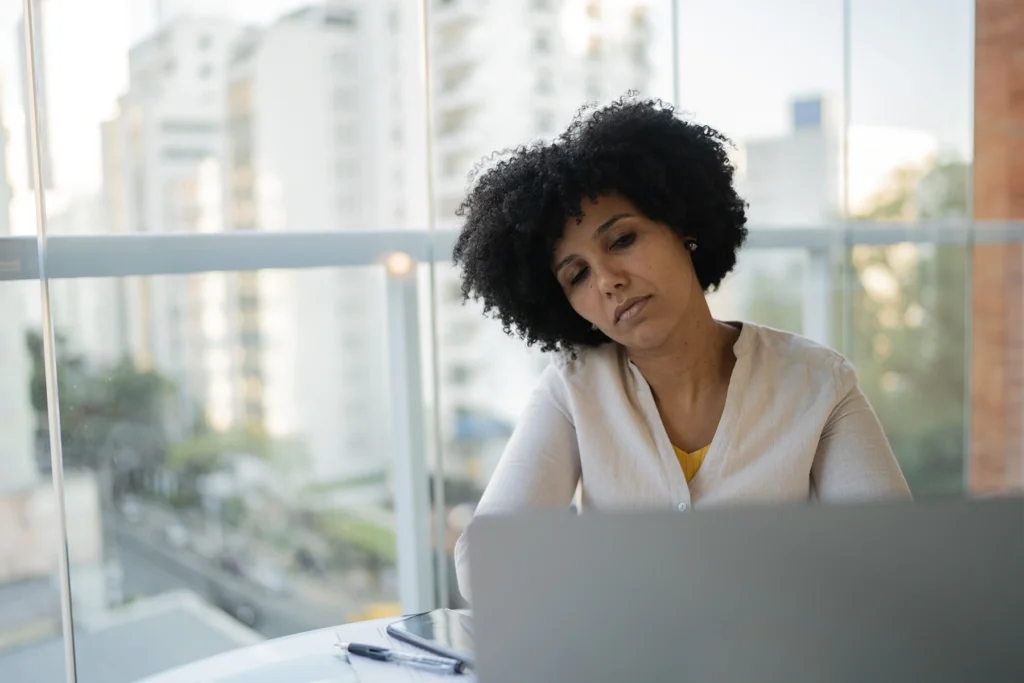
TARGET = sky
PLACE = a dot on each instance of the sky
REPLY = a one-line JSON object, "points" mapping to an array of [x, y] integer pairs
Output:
{"points": [[911, 63], [741, 62]]}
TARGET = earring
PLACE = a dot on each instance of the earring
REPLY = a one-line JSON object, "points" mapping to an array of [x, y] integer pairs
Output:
{"points": [[691, 245], [594, 328]]}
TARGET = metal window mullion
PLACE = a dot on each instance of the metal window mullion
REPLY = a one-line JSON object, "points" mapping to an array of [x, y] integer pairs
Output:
{"points": [[817, 303], [411, 483], [442, 241], [49, 350]]}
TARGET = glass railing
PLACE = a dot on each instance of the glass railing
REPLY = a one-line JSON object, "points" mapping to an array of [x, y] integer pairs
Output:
{"points": [[275, 457]]}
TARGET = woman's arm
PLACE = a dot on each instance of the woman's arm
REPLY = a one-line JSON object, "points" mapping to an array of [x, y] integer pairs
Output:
{"points": [[539, 468], [854, 461]]}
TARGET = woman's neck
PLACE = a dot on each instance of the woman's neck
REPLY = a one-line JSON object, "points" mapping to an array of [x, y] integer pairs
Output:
{"points": [[698, 359]]}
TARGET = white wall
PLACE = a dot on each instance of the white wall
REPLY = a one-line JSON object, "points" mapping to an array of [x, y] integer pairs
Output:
{"points": [[29, 527], [17, 420]]}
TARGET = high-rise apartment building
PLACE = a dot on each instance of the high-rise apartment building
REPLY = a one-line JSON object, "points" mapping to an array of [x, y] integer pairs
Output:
{"points": [[321, 129], [506, 74], [170, 121], [320, 139], [796, 180]]}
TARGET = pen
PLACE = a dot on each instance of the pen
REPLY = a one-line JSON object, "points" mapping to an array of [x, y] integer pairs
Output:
{"points": [[442, 665]]}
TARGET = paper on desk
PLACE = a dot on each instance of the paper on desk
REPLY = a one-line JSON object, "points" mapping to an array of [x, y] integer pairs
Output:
{"points": [[318, 668], [371, 671]]}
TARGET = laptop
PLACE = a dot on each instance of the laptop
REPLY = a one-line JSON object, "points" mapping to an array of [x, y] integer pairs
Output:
{"points": [[824, 594]]}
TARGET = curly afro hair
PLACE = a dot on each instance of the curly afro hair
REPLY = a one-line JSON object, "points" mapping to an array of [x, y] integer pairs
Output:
{"points": [[674, 171]]}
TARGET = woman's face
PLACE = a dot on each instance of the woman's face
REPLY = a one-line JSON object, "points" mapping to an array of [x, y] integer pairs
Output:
{"points": [[627, 275]]}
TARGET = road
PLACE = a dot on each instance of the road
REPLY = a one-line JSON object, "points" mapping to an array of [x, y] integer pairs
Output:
{"points": [[150, 567]]}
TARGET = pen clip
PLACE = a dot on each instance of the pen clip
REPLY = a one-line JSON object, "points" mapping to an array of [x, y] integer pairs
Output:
{"points": [[381, 654]]}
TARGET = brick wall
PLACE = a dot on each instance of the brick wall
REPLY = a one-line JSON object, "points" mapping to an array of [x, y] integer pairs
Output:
{"points": [[997, 357]]}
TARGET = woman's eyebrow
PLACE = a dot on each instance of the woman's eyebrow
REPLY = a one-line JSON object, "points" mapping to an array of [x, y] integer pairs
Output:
{"points": [[601, 229]]}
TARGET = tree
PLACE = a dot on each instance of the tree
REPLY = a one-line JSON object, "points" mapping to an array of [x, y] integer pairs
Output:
{"points": [[909, 328], [112, 418], [209, 451]]}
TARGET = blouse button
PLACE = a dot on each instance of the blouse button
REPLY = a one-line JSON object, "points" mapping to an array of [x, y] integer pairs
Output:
{"points": [[682, 507]]}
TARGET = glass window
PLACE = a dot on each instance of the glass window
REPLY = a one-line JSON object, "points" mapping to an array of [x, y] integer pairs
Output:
{"points": [[910, 160], [198, 488], [455, 76], [454, 120], [345, 134], [545, 82], [345, 98], [228, 426], [545, 122], [339, 19], [542, 42], [343, 62], [220, 467], [347, 168]]}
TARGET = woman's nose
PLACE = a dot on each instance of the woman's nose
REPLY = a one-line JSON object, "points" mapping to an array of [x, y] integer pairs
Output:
{"points": [[611, 280]]}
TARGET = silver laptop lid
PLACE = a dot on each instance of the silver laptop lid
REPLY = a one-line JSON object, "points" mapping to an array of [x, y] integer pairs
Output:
{"points": [[890, 592]]}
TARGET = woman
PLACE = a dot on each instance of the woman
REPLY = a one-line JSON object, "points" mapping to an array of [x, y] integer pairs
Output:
{"points": [[601, 246]]}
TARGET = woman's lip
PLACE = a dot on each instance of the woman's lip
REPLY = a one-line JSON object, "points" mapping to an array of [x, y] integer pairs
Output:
{"points": [[631, 308]]}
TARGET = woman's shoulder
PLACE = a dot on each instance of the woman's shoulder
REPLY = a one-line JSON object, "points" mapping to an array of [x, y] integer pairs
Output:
{"points": [[588, 370], [790, 352], [586, 361]]}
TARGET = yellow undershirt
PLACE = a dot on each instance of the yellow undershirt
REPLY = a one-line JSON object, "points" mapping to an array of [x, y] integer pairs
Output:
{"points": [[691, 462]]}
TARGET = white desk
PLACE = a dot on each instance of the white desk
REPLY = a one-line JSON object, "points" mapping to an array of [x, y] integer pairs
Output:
{"points": [[276, 653]]}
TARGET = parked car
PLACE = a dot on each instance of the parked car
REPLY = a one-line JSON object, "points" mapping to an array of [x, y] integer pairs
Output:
{"points": [[268, 577], [131, 510]]}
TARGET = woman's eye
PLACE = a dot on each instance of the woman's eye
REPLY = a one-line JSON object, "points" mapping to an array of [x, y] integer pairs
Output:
{"points": [[624, 240], [579, 276]]}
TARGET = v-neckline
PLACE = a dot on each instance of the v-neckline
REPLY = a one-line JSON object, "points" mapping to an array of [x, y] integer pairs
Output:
{"points": [[666, 450]]}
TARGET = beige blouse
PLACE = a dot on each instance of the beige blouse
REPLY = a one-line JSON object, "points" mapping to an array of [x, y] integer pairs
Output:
{"points": [[795, 427]]}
